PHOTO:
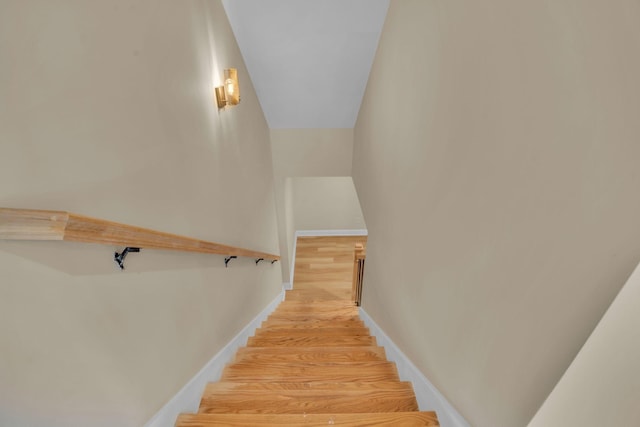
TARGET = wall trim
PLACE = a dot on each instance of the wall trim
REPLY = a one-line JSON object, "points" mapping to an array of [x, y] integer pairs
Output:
{"points": [[427, 395], [358, 232], [188, 398], [287, 286], [313, 233]]}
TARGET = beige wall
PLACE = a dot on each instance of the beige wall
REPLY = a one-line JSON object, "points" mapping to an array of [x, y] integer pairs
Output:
{"points": [[495, 158], [325, 203], [602, 385], [106, 109], [305, 153]]}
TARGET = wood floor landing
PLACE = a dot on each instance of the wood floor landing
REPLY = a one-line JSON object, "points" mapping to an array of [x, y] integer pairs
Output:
{"points": [[325, 265]]}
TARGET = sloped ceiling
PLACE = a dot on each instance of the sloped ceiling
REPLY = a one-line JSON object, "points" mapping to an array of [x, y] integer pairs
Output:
{"points": [[309, 60]]}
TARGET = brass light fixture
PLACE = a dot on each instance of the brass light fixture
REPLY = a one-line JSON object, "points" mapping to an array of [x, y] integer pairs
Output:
{"points": [[229, 92]]}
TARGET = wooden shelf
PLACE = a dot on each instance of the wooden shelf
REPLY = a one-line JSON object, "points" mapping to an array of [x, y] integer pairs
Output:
{"points": [[29, 224]]}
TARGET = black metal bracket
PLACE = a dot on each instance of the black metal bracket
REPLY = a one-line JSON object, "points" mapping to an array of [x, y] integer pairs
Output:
{"points": [[227, 259], [262, 259], [119, 258]]}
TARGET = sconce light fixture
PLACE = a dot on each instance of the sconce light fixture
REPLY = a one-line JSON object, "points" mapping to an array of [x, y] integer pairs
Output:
{"points": [[229, 92]]}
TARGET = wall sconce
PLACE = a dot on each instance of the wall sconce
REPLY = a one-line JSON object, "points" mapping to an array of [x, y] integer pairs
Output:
{"points": [[229, 93]]}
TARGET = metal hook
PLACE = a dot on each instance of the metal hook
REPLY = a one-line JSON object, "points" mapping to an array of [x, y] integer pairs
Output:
{"points": [[227, 259], [258, 260]]}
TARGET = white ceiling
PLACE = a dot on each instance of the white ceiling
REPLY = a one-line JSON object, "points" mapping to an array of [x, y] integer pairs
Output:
{"points": [[309, 60]]}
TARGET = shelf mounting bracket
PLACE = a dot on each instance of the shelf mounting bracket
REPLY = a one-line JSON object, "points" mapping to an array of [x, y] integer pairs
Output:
{"points": [[119, 257]]}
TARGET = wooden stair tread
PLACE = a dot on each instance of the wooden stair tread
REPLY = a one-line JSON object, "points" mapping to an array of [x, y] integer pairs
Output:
{"points": [[311, 324], [319, 365], [315, 312], [323, 303], [319, 295], [316, 299], [319, 306], [307, 372], [313, 309], [326, 317], [231, 386], [301, 318], [314, 401], [312, 341], [392, 419], [310, 354], [316, 292], [313, 332]]}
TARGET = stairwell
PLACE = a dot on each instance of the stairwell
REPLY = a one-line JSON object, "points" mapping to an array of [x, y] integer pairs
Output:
{"points": [[312, 362]]}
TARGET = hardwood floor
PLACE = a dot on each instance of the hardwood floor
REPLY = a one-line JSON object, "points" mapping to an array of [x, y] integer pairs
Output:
{"points": [[325, 264]]}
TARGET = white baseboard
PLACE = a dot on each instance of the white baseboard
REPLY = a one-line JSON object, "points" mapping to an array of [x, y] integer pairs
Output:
{"points": [[314, 233], [287, 286], [428, 397], [188, 398]]}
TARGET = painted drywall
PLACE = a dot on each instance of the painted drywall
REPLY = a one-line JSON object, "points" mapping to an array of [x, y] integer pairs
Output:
{"points": [[325, 203], [187, 400], [495, 159], [107, 109], [602, 385], [305, 153]]}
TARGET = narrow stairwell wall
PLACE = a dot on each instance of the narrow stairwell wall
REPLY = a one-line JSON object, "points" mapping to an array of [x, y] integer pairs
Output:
{"points": [[496, 162], [107, 109], [602, 384]]}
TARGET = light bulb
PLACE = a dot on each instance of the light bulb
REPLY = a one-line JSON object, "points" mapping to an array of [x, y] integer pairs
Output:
{"points": [[230, 87]]}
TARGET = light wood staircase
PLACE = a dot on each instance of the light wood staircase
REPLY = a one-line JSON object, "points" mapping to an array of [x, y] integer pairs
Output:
{"points": [[312, 363]]}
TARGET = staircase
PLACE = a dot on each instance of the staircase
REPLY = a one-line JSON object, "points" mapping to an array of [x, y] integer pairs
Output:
{"points": [[312, 363]]}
